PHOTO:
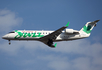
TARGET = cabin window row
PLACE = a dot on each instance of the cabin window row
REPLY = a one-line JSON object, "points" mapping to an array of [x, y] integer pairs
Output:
{"points": [[38, 32]]}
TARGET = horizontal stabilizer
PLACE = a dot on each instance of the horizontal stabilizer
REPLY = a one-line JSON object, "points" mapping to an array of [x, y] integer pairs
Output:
{"points": [[96, 21]]}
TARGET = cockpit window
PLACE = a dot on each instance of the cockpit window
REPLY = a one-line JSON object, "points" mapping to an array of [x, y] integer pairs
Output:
{"points": [[12, 32]]}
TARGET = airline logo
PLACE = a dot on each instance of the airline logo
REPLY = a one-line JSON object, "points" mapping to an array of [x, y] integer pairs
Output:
{"points": [[25, 34], [87, 29]]}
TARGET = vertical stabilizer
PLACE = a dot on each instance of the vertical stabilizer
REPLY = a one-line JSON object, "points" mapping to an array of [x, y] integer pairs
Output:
{"points": [[88, 27]]}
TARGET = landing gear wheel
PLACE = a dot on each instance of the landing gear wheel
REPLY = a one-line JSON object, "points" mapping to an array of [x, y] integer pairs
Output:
{"points": [[50, 42], [9, 42]]}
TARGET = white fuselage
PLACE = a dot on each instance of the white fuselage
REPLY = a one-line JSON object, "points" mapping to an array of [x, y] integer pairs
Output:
{"points": [[35, 35]]}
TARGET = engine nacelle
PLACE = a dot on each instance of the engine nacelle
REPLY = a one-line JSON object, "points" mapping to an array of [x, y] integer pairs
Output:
{"points": [[70, 31]]}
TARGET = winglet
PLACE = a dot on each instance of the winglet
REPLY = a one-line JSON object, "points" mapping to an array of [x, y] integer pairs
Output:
{"points": [[67, 24], [55, 44]]}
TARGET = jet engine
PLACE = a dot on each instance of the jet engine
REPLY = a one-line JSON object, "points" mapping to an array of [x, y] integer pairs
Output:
{"points": [[69, 31]]}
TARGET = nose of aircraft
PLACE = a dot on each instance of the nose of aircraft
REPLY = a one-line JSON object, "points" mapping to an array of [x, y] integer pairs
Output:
{"points": [[5, 37]]}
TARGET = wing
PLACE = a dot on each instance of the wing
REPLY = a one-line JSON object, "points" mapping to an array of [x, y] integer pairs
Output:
{"points": [[48, 39]]}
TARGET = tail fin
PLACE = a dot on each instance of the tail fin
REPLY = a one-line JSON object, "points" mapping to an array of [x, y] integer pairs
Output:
{"points": [[88, 27]]}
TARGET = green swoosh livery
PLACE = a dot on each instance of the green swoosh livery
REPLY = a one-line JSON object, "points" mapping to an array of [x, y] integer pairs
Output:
{"points": [[87, 29], [20, 34]]}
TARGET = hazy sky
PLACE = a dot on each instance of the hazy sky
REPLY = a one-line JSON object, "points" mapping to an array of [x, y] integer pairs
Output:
{"points": [[84, 54]]}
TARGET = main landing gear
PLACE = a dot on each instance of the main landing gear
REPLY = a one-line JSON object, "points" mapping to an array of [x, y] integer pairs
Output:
{"points": [[9, 42], [50, 42]]}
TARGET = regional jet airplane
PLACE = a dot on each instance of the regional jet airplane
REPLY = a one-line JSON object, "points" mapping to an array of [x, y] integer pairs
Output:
{"points": [[48, 37]]}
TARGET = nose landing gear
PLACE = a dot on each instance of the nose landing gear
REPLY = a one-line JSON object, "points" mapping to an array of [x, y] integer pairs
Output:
{"points": [[9, 42]]}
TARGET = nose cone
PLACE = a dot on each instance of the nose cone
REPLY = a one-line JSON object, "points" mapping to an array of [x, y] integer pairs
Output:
{"points": [[5, 37]]}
